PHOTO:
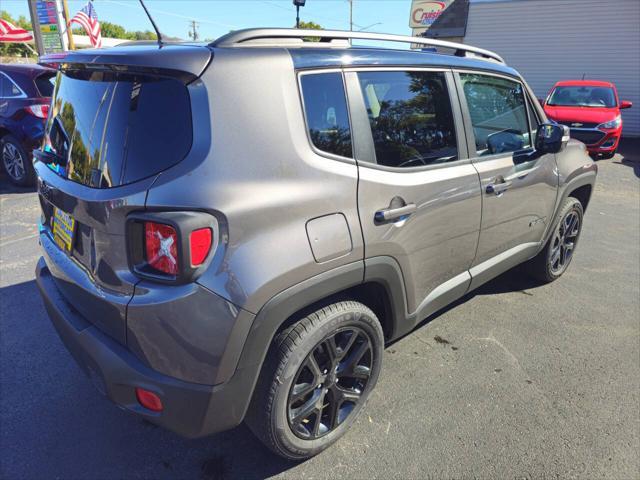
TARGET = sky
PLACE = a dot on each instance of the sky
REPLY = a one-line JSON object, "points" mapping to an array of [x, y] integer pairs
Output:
{"points": [[217, 17]]}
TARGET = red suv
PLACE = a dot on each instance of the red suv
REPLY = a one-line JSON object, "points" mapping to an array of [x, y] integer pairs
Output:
{"points": [[591, 110]]}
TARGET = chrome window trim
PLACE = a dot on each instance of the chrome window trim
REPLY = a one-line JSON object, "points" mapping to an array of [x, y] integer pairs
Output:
{"points": [[22, 94]]}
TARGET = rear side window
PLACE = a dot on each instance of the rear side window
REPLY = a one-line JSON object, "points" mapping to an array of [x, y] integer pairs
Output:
{"points": [[116, 129], [411, 118], [8, 89], [45, 84], [325, 107], [498, 113]]}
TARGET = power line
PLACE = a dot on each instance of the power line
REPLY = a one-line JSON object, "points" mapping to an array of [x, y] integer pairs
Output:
{"points": [[171, 14]]}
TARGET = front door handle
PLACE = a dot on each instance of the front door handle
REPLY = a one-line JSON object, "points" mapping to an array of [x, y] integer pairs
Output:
{"points": [[395, 213], [499, 186]]}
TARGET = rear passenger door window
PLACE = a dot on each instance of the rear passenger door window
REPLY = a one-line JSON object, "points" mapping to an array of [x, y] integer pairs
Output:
{"points": [[410, 116], [326, 113], [498, 112]]}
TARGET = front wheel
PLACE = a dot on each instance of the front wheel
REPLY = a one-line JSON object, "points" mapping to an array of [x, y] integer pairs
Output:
{"points": [[316, 380], [555, 257]]}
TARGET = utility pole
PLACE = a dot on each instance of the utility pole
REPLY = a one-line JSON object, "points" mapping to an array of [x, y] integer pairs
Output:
{"points": [[351, 15], [65, 11], [193, 33]]}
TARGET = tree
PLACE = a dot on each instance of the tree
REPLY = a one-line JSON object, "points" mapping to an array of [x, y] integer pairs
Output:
{"points": [[113, 30], [310, 26], [15, 49]]}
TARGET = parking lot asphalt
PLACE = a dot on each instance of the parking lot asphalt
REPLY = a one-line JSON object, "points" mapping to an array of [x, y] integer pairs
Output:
{"points": [[516, 380]]}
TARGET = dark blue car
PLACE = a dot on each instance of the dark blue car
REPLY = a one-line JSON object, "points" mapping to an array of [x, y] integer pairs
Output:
{"points": [[25, 94]]}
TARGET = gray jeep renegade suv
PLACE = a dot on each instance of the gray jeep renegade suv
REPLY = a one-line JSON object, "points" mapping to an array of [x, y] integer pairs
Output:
{"points": [[233, 231]]}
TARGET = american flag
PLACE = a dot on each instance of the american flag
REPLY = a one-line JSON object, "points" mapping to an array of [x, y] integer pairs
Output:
{"points": [[10, 33], [88, 19]]}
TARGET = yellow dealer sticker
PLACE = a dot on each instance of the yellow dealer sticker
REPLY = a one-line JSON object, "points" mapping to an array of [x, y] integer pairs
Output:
{"points": [[63, 227]]}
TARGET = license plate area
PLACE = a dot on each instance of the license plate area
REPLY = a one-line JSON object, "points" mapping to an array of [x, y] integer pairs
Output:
{"points": [[63, 229]]}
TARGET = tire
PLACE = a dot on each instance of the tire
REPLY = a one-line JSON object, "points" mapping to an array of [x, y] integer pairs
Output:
{"points": [[555, 257], [15, 162], [276, 414]]}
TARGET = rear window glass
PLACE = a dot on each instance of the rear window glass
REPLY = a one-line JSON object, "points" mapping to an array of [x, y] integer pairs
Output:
{"points": [[45, 83], [117, 129], [8, 88], [325, 107]]}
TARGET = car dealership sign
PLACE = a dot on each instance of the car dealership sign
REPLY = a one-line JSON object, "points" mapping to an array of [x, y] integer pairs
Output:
{"points": [[424, 13]]}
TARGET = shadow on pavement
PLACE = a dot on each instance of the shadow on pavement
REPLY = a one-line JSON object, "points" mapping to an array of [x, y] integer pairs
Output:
{"points": [[629, 150], [7, 187], [56, 424], [514, 280]]}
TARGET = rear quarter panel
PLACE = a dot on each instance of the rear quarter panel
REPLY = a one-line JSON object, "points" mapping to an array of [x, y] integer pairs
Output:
{"points": [[260, 178]]}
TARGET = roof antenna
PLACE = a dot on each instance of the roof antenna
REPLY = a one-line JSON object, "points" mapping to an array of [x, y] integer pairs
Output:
{"points": [[582, 74], [155, 27]]}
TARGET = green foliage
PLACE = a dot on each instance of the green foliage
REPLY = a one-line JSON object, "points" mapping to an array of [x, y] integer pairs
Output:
{"points": [[15, 49], [109, 30], [113, 30], [310, 26]]}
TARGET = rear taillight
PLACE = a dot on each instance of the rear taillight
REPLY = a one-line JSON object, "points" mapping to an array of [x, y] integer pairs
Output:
{"points": [[161, 247], [171, 247], [199, 245], [38, 110]]}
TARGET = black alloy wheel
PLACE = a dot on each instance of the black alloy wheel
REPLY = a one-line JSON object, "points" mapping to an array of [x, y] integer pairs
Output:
{"points": [[330, 383]]}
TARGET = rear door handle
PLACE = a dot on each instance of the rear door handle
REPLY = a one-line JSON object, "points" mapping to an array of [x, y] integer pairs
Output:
{"points": [[499, 186], [389, 214]]}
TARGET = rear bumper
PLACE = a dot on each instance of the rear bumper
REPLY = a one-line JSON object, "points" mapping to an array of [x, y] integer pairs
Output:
{"points": [[190, 409]]}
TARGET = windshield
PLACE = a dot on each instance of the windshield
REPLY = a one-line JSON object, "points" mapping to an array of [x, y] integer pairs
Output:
{"points": [[583, 96]]}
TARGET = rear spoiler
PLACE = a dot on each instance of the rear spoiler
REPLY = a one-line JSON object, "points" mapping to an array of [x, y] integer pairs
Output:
{"points": [[186, 62]]}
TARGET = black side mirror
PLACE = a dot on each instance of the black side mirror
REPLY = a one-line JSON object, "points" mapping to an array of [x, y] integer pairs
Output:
{"points": [[552, 138]]}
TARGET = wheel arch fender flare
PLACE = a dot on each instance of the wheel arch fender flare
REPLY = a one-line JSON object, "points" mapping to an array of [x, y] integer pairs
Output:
{"points": [[275, 313], [577, 180]]}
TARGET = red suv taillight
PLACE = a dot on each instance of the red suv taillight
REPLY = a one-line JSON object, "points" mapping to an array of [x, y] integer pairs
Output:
{"points": [[200, 244], [161, 247], [38, 110], [171, 247]]}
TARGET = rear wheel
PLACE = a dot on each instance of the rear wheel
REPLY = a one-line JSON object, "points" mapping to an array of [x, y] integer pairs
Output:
{"points": [[316, 380], [555, 257], [16, 162]]}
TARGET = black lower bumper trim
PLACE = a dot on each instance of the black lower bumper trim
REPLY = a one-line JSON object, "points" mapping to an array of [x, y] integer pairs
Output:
{"points": [[191, 410]]}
